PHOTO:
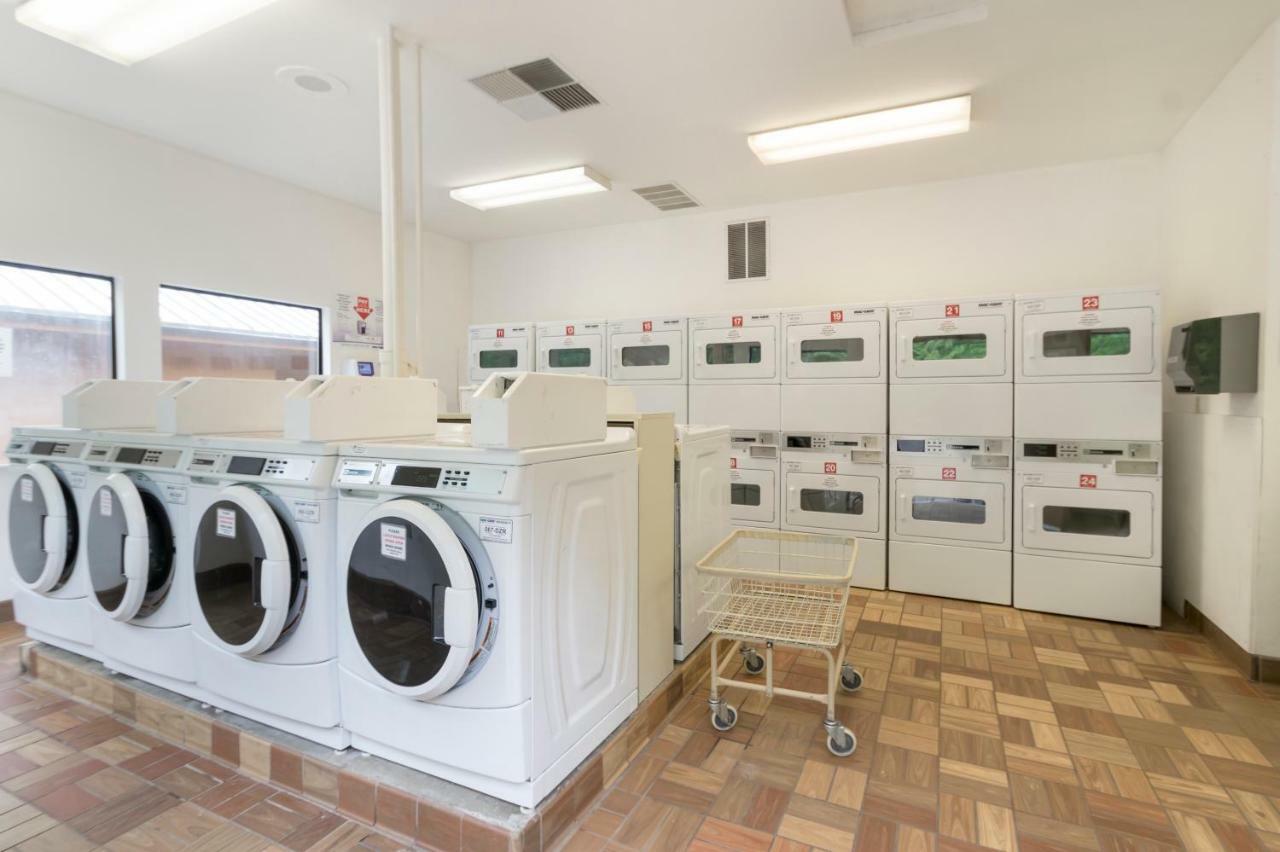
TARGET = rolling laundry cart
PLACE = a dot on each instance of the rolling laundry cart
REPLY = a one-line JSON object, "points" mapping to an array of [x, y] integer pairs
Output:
{"points": [[780, 588]]}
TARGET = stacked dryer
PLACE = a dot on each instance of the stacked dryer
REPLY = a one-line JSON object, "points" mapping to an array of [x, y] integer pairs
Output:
{"points": [[496, 349], [834, 419], [1089, 455], [571, 348], [647, 356], [735, 379], [950, 453]]}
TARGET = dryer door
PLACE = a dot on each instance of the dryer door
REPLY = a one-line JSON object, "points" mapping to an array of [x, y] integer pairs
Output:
{"points": [[1087, 520], [949, 510], [498, 354], [753, 496], [43, 529], [959, 347], [413, 599], [842, 350], [247, 569], [743, 354], [1120, 342], [656, 356], [834, 501], [573, 354], [128, 549]]}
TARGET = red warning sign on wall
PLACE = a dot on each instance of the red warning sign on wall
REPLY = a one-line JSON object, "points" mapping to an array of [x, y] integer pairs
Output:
{"points": [[363, 309]]}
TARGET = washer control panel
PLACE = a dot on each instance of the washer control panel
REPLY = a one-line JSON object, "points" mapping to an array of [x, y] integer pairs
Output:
{"points": [[426, 476], [273, 468]]}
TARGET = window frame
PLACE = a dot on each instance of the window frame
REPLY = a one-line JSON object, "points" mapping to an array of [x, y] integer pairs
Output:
{"points": [[115, 314], [320, 341]]}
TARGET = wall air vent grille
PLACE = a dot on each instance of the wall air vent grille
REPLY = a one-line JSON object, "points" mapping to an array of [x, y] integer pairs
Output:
{"points": [[666, 196], [748, 250], [536, 89]]}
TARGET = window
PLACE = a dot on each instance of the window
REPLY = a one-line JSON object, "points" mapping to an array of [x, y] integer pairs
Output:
{"points": [[569, 359], [823, 351], [213, 334], [1086, 342], [949, 510], [653, 355], [949, 347], [744, 352], [1081, 520], [498, 359], [833, 502], [56, 331], [744, 494]]}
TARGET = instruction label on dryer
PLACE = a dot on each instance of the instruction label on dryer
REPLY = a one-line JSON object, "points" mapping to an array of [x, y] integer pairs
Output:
{"points": [[175, 494], [27, 490], [76, 478], [496, 529], [104, 502], [226, 523], [393, 541], [306, 511]]}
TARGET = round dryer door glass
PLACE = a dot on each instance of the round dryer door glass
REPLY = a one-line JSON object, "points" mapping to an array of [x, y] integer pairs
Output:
{"points": [[231, 554], [39, 496], [406, 571], [128, 581]]}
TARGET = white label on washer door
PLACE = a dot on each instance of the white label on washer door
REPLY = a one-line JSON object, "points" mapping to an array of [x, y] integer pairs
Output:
{"points": [[76, 478], [306, 511], [104, 502], [175, 494], [393, 541], [496, 529], [226, 523], [27, 491]]}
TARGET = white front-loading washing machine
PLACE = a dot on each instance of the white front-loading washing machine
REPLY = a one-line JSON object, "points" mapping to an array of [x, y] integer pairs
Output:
{"points": [[572, 348], [647, 355], [951, 367], [950, 517], [499, 349], [1088, 521], [702, 522], [44, 503], [487, 616], [835, 371], [135, 526], [262, 516], [835, 484], [734, 374], [1089, 365]]}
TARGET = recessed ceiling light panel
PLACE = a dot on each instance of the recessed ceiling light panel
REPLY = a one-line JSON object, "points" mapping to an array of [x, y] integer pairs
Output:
{"points": [[578, 180], [311, 81], [129, 31], [868, 130]]}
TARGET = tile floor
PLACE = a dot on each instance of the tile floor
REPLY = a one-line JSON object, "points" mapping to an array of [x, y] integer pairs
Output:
{"points": [[978, 727]]}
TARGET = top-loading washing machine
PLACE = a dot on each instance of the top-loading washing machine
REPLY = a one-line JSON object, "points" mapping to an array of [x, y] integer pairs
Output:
{"points": [[572, 348], [702, 522], [499, 349], [835, 370], [487, 605], [951, 367], [647, 356], [1089, 365]]}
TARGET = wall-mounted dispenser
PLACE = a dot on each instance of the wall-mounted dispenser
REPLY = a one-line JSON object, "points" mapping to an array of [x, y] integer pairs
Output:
{"points": [[1215, 355]]}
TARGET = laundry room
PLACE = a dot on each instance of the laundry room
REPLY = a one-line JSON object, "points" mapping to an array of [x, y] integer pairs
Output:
{"points": [[558, 425]]}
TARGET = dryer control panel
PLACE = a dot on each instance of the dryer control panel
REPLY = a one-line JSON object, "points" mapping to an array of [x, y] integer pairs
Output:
{"points": [[1140, 458], [864, 449], [988, 453]]}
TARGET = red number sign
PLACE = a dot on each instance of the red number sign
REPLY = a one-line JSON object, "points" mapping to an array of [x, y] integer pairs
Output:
{"points": [[647, 325], [837, 316], [733, 463], [828, 467], [502, 332], [737, 322], [1089, 303], [953, 310], [948, 473], [1088, 480], [568, 331]]}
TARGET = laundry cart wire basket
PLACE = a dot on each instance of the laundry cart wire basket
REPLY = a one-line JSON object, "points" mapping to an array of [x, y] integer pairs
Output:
{"points": [[770, 588]]}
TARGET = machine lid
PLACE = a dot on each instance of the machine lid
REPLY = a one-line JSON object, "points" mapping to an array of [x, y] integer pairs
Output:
{"points": [[129, 549], [413, 598], [43, 529], [247, 570]]}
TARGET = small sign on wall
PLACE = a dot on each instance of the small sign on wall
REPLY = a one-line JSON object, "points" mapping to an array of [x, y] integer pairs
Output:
{"points": [[357, 319], [6, 353]]}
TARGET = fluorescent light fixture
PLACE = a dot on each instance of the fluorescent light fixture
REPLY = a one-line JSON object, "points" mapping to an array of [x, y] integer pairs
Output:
{"points": [[868, 130], [129, 31], [578, 180]]}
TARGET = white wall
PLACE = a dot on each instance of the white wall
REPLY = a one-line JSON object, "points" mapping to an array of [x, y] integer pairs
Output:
{"points": [[1221, 238], [83, 196], [1092, 225]]}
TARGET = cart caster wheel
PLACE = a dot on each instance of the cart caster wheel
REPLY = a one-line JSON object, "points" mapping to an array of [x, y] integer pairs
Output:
{"points": [[844, 745], [724, 720], [753, 662], [850, 678]]}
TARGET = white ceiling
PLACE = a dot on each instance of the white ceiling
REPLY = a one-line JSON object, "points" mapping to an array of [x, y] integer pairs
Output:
{"points": [[681, 83]]}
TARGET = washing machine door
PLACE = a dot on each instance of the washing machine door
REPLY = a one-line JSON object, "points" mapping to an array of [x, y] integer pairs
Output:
{"points": [[413, 599], [247, 570], [43, 529], [128, 549]]}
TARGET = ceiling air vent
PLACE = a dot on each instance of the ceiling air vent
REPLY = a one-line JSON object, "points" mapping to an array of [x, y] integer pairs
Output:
{"points": [[872, 21], [666, 196], [536, 89], [748, 244]]}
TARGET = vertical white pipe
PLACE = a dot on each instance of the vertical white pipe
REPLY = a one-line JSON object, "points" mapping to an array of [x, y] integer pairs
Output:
{"points": [[419, 284], [389, 132]]}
